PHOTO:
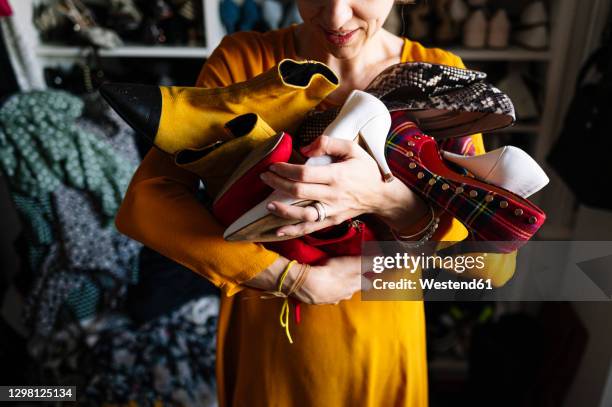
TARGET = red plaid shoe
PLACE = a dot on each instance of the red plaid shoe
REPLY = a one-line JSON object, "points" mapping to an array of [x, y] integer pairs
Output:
{"points": [[489, 212]]}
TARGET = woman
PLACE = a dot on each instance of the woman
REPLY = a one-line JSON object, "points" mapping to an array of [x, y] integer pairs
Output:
{"points": [[346, 352]]}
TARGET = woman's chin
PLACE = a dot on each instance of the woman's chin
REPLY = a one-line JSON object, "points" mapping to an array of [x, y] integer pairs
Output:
{"points": [[345, 51]]}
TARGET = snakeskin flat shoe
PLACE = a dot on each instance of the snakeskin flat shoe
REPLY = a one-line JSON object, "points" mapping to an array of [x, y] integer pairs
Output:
{"points": [[443, 101]]}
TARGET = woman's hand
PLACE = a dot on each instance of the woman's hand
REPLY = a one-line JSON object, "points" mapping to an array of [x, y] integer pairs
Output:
{"points": [[338, 279], [349, 187]]}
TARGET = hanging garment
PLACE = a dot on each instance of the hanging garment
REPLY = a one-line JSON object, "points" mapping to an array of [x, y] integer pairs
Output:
{"points": [[168, 361], [171, 359], [67, 184]]}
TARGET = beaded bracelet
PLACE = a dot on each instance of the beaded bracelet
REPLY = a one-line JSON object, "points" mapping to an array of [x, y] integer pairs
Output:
{"points": [[427, 232]]}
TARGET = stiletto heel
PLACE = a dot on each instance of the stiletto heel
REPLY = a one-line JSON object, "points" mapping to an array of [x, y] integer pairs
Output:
{"points": [[508, 167], [370, 134], [363, 116], [489, 212]]}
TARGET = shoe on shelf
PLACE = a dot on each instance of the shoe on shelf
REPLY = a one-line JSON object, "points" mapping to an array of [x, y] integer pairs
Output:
{"points": [[499, 30], [490, 213], [363, 116], [507, 167], [249, 15], [458, 11], [179, 118], [272, 13], [475, 30], [229, 12], [533, 32]]}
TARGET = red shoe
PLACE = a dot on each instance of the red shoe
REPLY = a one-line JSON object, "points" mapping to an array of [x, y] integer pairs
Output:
{"points": [[244, 188], [490, 213]]}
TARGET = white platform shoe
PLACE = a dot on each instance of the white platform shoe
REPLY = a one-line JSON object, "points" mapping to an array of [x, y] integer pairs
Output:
{"points": [[507, 167]]}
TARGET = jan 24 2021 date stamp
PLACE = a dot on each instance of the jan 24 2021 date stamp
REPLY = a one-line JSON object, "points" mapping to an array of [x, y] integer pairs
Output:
{"points": [[37, 393]]}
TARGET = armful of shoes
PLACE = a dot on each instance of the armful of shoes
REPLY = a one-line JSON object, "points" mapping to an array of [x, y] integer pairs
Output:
{"points": [[336, 280]]}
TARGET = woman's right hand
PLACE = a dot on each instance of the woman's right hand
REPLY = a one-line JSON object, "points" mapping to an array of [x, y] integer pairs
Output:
{"points": [[336, 280]]}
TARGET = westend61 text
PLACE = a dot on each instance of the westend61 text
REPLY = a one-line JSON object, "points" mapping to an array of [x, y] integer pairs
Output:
{"points": [[430, 284]]}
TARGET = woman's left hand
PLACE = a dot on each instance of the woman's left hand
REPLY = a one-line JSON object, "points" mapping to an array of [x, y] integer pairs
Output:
{"points": [[349, 187]]}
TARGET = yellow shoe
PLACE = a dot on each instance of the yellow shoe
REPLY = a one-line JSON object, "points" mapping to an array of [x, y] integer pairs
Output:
{"points": [[215, 163], [180, 118]]}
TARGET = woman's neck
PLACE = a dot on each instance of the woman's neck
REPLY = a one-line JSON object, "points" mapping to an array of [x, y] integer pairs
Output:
{"points": [[380, 51]]}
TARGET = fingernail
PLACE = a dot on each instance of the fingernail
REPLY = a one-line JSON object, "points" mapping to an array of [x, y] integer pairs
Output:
{"points": [[272, 167], [306, 149], [263, 176], [271, 207], [280, 234]]}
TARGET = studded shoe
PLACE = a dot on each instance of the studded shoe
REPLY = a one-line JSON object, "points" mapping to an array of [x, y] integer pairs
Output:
{"points": [[490, 213]]}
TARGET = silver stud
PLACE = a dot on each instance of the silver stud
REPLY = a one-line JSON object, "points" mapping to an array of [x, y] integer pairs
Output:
{"points": [[518, 212], [420, 175], [489, 198], [432, 181], [459, 190], [445, 187], [473, 194], [410, 154], [412, 166], [503, 204], [533, 220]]}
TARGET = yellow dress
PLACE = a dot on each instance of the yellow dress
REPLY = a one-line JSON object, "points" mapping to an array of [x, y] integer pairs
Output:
{"points": [[353, 354]]}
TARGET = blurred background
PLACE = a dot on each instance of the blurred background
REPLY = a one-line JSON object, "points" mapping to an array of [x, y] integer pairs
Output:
{"points": [[83, 305]]}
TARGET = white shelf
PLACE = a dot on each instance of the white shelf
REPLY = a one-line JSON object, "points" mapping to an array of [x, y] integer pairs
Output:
{"points": [[161, 51], [509, 54], [130, 51]]}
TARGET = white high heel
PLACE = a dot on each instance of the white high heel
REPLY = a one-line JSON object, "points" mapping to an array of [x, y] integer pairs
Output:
{"points": [[507, 167], [362, 116]]}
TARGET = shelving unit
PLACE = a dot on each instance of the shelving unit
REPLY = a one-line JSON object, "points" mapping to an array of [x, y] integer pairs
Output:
{"points": [[128, 51]]}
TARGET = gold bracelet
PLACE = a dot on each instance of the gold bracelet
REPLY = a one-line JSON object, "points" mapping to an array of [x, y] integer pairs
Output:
{"points": [[300, 279], [397, 236]]}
